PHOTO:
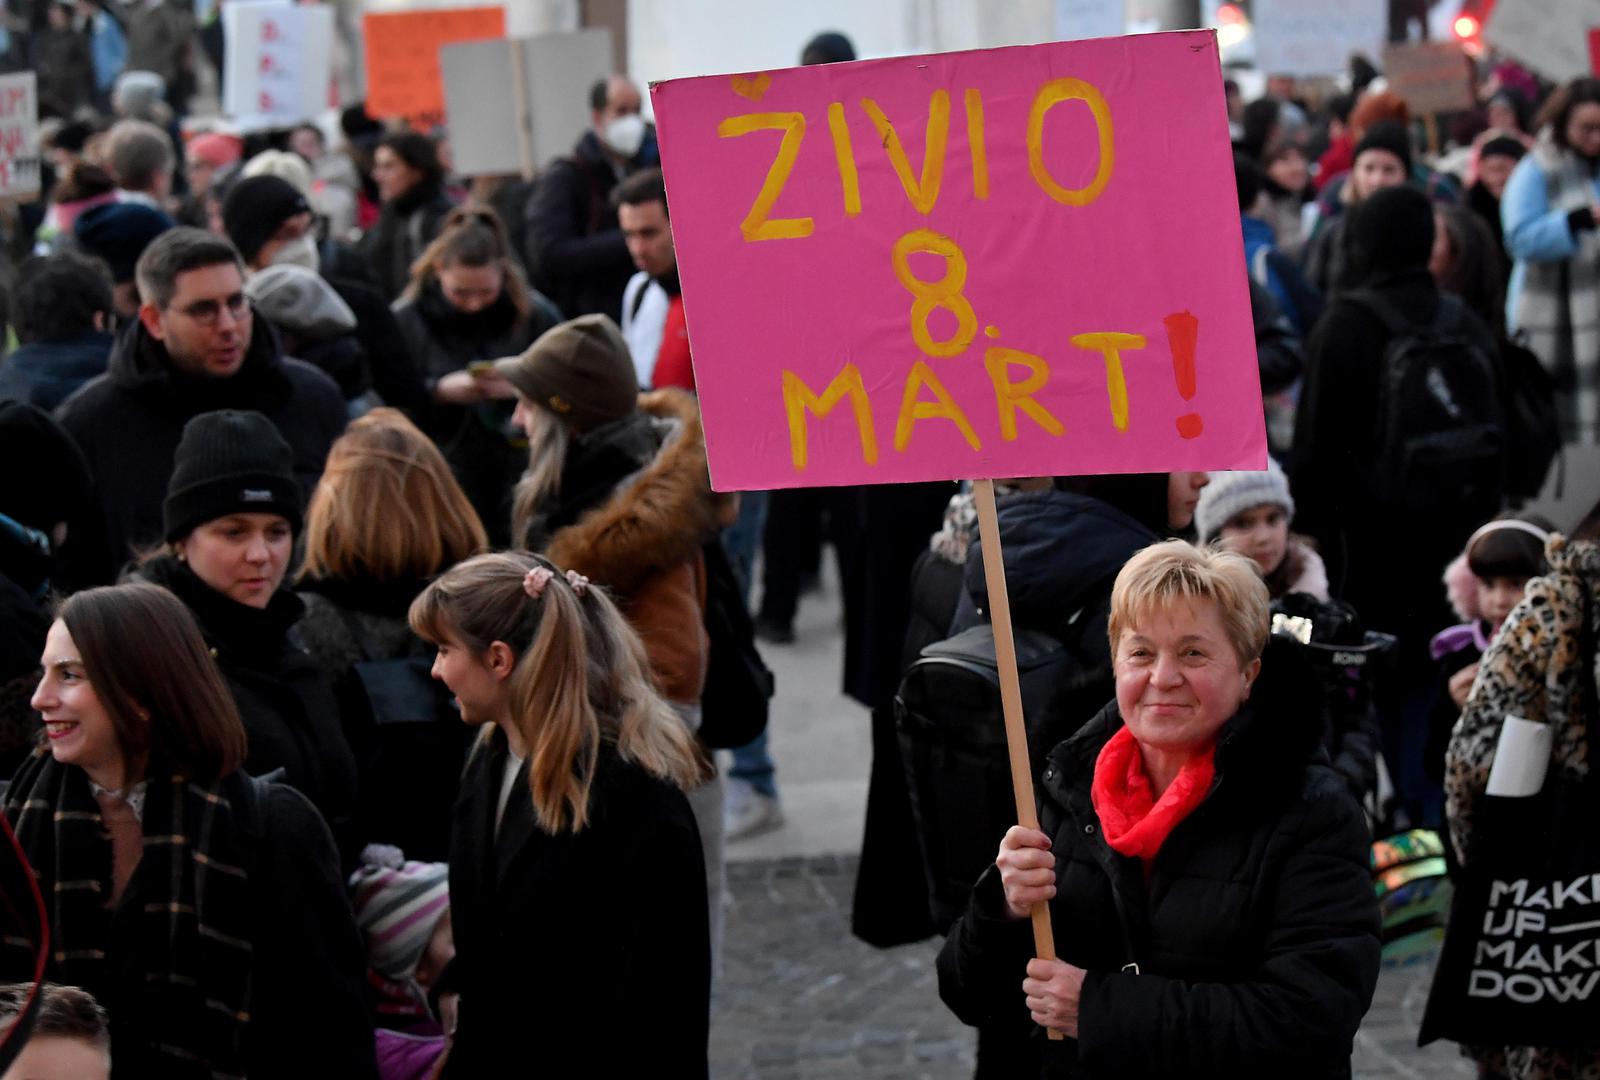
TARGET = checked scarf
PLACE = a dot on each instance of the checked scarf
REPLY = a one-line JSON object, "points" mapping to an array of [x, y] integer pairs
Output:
{"points": [[194, 952]]}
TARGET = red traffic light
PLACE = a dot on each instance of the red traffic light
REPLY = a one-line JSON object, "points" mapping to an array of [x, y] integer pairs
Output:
{"points": [[1467, 27]]}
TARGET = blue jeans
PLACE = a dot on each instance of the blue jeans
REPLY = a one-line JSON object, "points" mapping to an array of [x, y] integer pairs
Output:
{"points": [[752, 763]]}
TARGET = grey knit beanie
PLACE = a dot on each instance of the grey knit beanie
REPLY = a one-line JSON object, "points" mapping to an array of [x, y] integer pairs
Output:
{"points": [[1230, 494]]}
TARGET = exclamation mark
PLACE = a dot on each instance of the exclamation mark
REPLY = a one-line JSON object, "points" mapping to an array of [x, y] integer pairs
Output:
{"points": [[1183, 331]]}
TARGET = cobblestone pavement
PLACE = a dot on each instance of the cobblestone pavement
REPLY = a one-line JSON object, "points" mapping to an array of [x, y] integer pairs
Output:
{"points": [[801, 999]]}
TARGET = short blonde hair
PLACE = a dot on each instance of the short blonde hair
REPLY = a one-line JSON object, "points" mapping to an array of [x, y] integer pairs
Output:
{"points": [[1177, 570]]}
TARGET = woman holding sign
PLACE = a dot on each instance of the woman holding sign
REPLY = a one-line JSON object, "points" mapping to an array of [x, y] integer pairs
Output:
{"points": [[1206, 870]]}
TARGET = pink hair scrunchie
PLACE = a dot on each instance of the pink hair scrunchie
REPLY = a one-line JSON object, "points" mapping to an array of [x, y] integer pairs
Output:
{"points": [[579, 583], [535, 581]]}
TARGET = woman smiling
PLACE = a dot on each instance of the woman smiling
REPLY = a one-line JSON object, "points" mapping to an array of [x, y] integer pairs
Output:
{"points": [[1206, 870], [202, 908]]}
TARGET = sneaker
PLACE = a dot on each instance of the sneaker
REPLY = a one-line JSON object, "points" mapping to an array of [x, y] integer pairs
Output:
{"points": [[773, 632], [747, 812]]}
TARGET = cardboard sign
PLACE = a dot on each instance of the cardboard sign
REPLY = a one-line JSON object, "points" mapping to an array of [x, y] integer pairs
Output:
{"points": [[495, 132], [1432, 77], [278, 63], [19, 136], [1010, 262], [403, 76], [1316, 37], [1549, 36]]}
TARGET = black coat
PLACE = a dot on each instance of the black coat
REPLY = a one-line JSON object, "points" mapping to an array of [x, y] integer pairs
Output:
{"points": [[1390, 577], [473, 438], [395, 371], [406, 226], [410, 769], [575, 250], [1256, 934], [129, 420], [556, 935], [291, 717], [23, 626], [308, 1011]]}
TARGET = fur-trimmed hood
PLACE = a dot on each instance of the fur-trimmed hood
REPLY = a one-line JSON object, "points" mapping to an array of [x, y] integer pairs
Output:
{"points": [[653, 519]]}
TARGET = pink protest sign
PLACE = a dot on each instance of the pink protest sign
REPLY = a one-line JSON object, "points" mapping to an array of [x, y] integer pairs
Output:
{"points": [[1012, 262]]}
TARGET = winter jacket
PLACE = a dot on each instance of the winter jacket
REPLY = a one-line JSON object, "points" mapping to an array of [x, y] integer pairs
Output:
{"points": [[634, 512], [407, 226], [1334, 463], [128, 422], [1541, 667], [546, 926], [46, 373], [160, 35], [307, 975], [575, 250], [411, 772], [1279, 273], [65, 67], [396, 372], [1255, 935], [477, 440], [287, 704]]}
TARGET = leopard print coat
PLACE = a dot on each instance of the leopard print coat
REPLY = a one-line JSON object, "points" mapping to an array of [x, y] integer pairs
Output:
{"points": [[1538, 668]]}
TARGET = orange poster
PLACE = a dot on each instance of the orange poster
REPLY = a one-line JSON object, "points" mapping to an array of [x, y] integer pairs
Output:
{"points": [[403, 77]]}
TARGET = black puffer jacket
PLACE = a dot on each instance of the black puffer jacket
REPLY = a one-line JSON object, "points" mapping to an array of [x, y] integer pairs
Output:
{"points": [[129, 420], [290, 714], [1256, 934]]}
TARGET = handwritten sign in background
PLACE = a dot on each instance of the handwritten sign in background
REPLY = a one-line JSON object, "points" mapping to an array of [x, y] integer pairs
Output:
{"points": [[403, 75], [811, 338], [19, 136]]}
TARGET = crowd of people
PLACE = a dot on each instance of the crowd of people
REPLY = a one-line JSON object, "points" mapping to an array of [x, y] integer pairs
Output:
{"points": [[358, 578]]}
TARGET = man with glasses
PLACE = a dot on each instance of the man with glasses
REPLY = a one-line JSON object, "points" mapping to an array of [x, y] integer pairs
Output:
{"points": [[196, 347]]}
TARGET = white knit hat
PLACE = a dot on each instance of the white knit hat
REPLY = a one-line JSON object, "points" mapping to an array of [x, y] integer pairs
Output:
{"points": [[1230, 494]]}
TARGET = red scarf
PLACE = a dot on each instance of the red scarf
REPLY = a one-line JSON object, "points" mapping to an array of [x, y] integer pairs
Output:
{"points": [[1134, 820]]}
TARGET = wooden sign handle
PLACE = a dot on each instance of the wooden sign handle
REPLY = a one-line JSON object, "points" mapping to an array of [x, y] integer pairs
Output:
{"points": [[1005, 655], [519, 84]]}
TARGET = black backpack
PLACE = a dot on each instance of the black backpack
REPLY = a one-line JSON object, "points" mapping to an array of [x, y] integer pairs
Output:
{"points": [[1441, 433], [739, 685], [419, 745], [953, 744]]}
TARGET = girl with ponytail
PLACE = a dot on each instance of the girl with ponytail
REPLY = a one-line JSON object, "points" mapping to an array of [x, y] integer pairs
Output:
{"points": [[575, 866]]}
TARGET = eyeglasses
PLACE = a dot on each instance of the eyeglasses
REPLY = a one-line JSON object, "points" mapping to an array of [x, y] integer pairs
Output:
{"points": [[207, 312]]}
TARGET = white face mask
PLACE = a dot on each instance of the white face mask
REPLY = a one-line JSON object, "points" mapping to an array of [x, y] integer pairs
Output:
{"points": [[301, 252], [625, 134]]}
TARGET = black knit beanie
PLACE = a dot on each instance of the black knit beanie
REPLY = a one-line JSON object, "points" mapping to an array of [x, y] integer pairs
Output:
{"points": [[1390, 135], [255, 209], [230, 462]]}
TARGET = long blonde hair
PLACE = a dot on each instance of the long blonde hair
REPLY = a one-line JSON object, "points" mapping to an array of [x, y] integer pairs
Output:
{"points": [[387, 507], [580, 678], [548, 443]]}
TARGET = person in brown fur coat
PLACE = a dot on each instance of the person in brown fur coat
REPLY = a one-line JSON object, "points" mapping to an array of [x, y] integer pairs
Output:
{"points": [[617, 488]]}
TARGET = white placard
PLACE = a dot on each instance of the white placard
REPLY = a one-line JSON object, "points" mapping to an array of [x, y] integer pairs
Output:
{"points": [[481, 100], [19, 136], [278, 62], [1549, 36], [1521, 758], [1079, 20], [1316, 37]]}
